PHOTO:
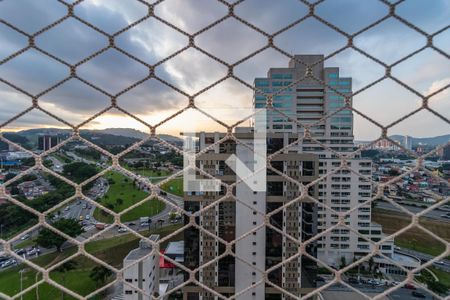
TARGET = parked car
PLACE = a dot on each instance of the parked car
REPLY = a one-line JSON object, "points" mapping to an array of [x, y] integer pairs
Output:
{"points": [[8, 263], [88, 217], [20, 251], [320, 279], [3, 259], [131, 224], [353, 280], [33, 251], [417, 294]]}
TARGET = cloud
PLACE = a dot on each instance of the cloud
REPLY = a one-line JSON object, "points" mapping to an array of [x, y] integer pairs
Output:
{"points": [[190, 71]]}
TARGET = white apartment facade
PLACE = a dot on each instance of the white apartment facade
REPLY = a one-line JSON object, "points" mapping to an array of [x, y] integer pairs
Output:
{"points": [[307, 101], [141, 270], [257, 247]]}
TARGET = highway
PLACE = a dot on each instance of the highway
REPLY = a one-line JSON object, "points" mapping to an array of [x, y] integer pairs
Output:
{"points": [[435, 214], [443, 264]]}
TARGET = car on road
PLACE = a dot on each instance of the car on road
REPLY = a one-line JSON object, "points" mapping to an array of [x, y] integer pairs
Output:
{"points": [[25, 237], [121, 230], [417, 294], [409, 286], [100, 226], [84, 206], [87, 217], [81, 218]]}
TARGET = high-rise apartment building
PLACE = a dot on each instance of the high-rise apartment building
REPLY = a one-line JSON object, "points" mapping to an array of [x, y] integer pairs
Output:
{"points": [[47, 141], [306, 97], [407, 142], [241, 218]]}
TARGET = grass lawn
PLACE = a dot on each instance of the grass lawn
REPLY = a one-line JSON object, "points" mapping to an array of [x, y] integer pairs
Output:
{"points": [[25, 244], [111, 250], [123, 188], [125, 243], [78, 280], [444, 277], [11, 232], [174, 186], [414, 238], [149, 172], [10, 278]]}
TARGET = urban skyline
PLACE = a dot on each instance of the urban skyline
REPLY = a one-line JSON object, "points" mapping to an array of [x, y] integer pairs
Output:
{"points": [[224, 149]]}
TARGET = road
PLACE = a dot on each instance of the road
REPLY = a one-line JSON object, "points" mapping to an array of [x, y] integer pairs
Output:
{"points": [[57, 164], [434, 214], [443, 264], [338, 292], [79, 158]]}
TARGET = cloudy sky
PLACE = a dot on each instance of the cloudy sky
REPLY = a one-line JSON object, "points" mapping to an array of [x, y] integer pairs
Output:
{"points": [[191, 71]]}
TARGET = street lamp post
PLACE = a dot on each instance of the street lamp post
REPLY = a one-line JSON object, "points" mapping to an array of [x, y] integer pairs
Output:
{"points": [[21, 282]]}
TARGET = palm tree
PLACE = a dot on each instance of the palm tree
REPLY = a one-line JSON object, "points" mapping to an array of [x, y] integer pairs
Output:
{"points": [[63, 269]]}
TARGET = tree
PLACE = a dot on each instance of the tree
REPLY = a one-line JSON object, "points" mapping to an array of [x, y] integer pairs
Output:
{"points": [[63, 269], [119, 201], [49, 239], [394, 172], [371, 263], [9, 176], [79, 171], [173, 215], [343, 262], [100, 274]]}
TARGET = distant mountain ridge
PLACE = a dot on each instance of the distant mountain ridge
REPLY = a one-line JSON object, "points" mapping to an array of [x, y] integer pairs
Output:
{"points": [[110, 136], [433, 141], [125, 132]]}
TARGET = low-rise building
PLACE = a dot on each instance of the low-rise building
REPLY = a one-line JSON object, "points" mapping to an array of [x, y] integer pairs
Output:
{"points": [[141, 271]]}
